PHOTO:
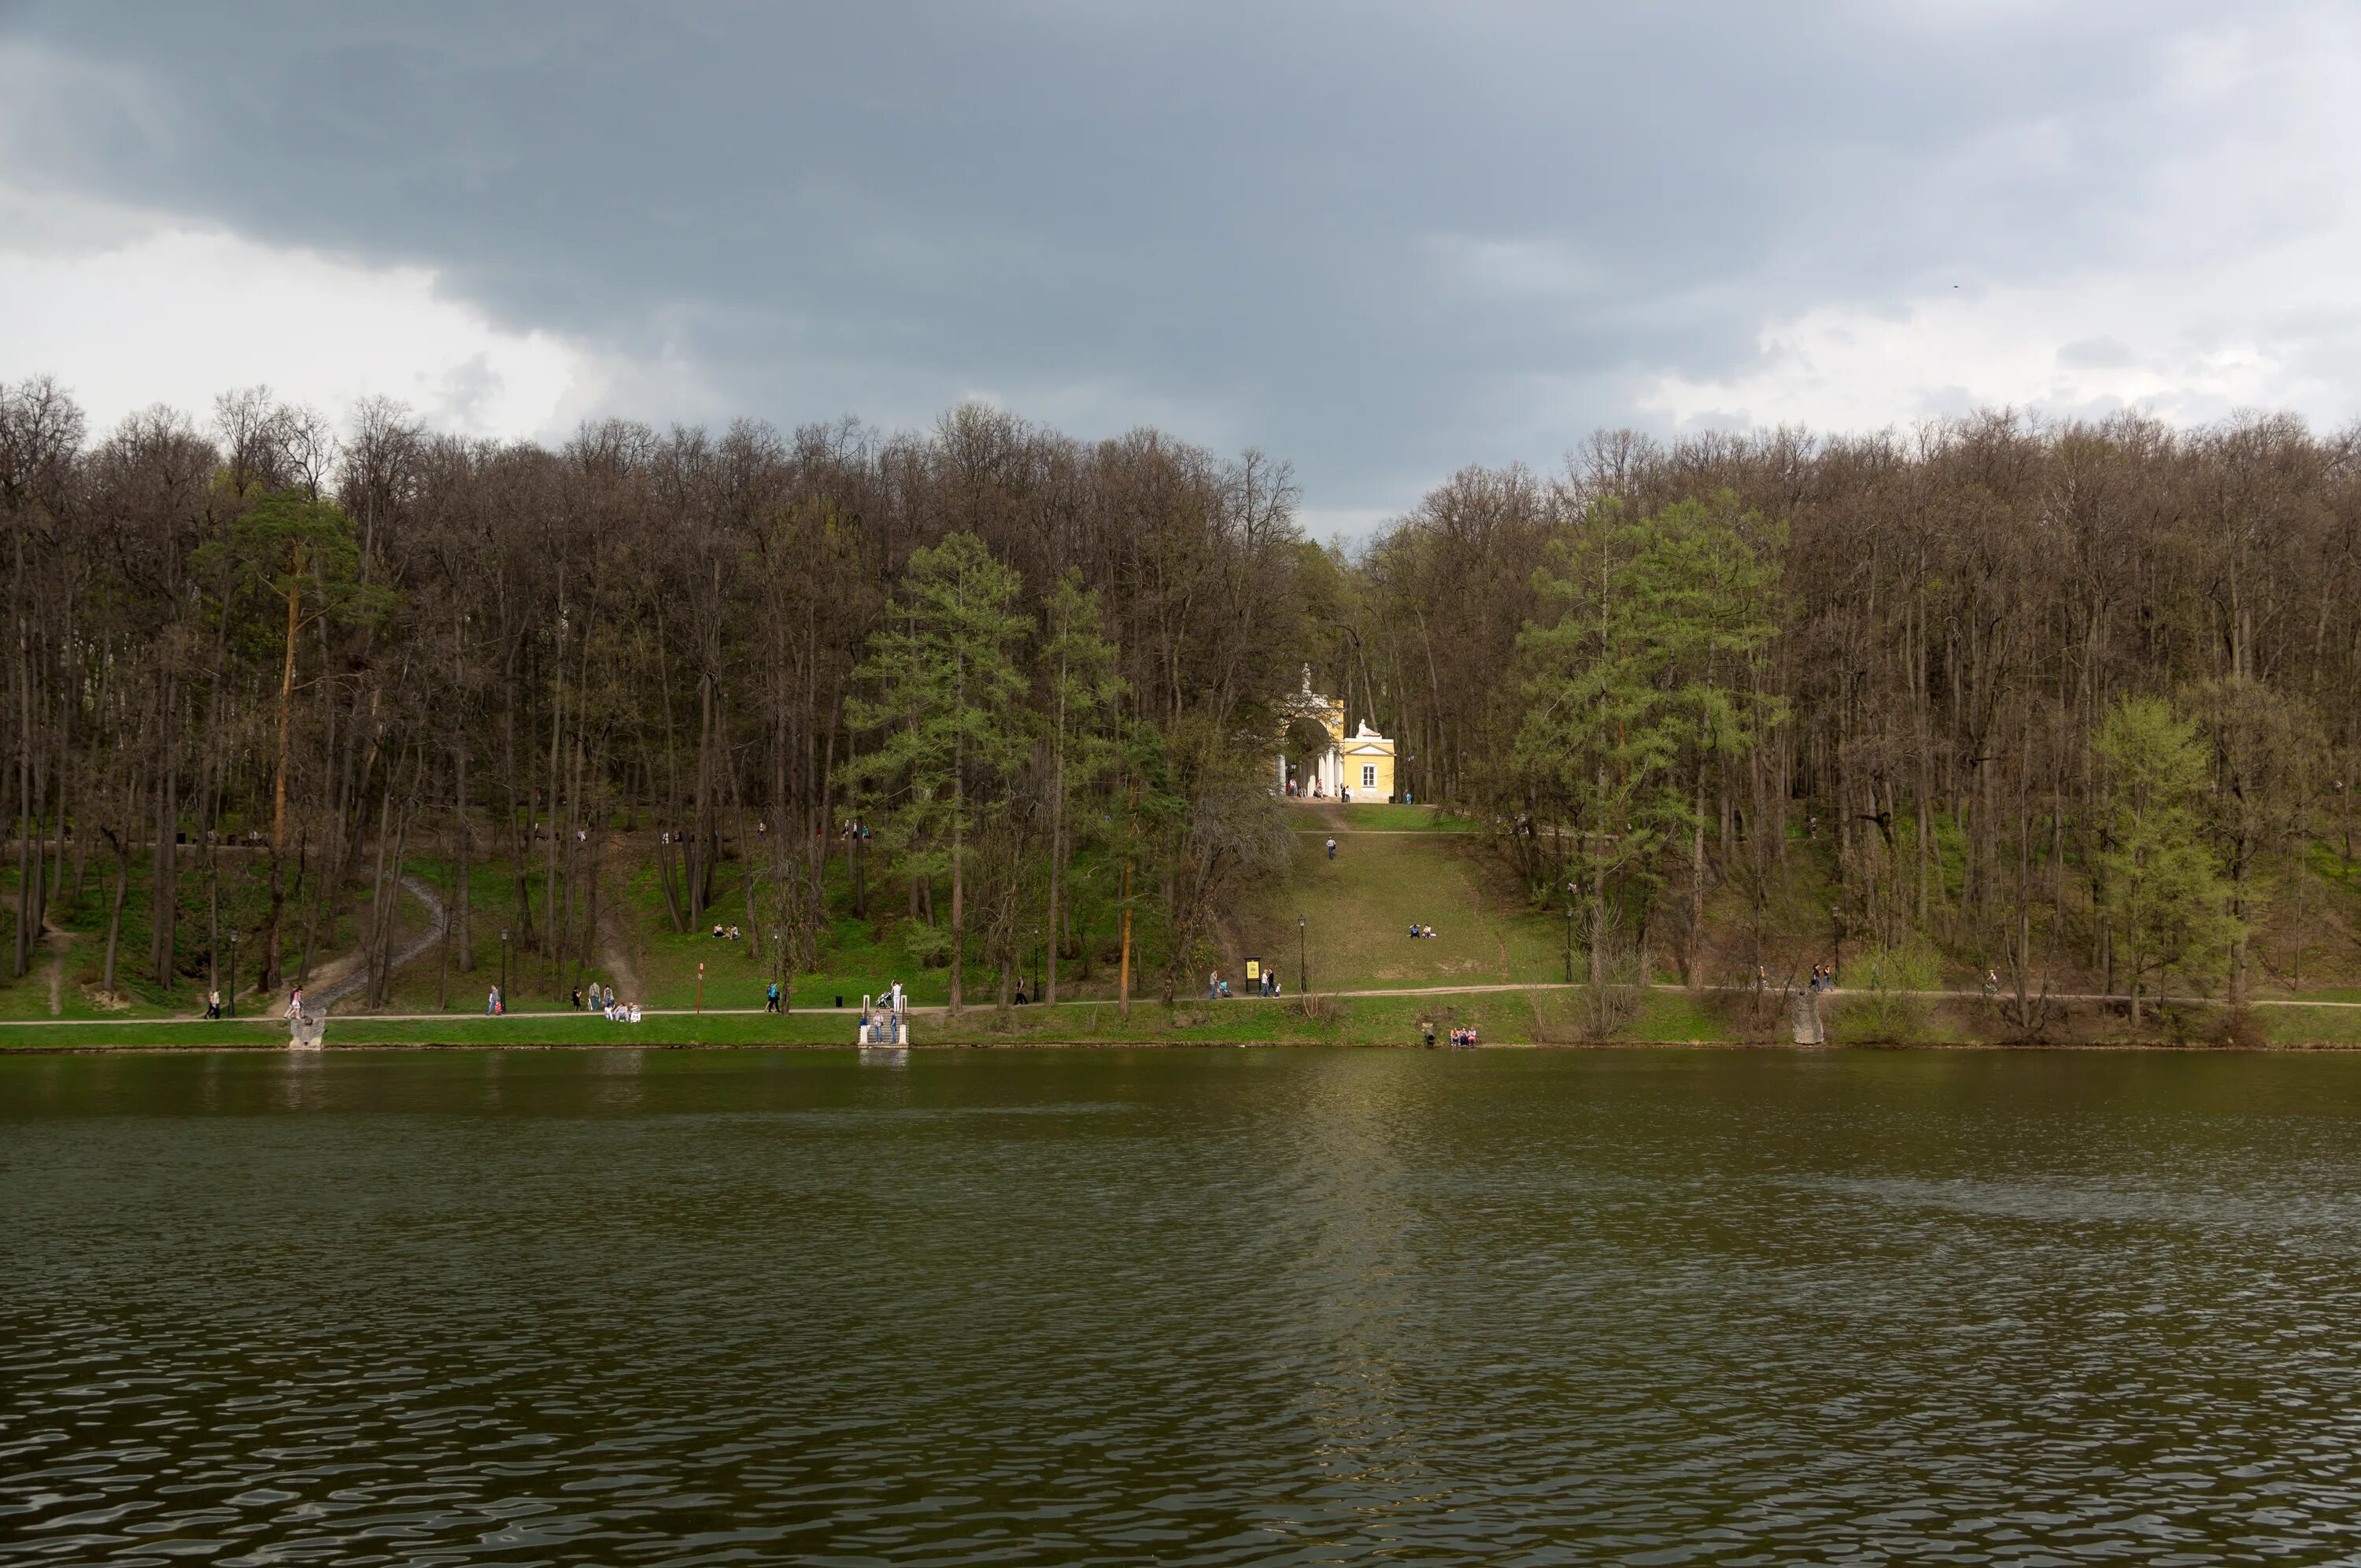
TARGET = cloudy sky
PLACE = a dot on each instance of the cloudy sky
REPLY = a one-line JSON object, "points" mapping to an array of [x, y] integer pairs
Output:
{"points": [[1380, 241]]}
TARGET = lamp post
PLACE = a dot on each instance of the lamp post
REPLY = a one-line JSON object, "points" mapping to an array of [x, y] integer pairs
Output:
{"points": [[1572, 889], [504, 969], [700, 986], [233, 971], [1836, 942], [1302, 957]]}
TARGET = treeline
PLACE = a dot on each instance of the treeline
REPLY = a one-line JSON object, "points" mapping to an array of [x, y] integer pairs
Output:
{"points": [[2069, 698], [952, 659], [2063, 697]]}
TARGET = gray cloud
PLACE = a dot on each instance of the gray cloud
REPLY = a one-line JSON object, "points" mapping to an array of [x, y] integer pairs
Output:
{"points": [[1360, 237]]}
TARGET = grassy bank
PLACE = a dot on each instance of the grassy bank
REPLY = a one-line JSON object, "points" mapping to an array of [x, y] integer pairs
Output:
{"points": [[1518, 1017]]}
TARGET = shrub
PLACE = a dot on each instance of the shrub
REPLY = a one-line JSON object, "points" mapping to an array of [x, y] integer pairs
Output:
{"points": [[1876, 1008]]}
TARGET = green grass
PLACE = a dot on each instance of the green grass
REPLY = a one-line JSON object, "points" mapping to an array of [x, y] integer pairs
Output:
{"points": [[2311, 1025], [1357, 910], [1406, 819], [1501, 1017]]}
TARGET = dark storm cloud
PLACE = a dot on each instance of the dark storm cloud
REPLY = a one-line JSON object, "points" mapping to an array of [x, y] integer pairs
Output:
{"points": [[1380, 241]]}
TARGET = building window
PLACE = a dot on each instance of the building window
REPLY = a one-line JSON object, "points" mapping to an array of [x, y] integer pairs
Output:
{"points": [[1369, 776]]}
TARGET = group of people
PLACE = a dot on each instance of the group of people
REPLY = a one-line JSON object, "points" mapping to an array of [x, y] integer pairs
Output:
{"points": [[601, 1000], [1462, 1036], [1318, 792], [881, 1024], [1265, 984], [1419, 932], [725, 932], [1824, 977]]}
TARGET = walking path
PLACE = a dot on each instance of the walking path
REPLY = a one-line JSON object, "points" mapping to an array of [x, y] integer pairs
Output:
{"points": [[329, 993], [416, 947]]}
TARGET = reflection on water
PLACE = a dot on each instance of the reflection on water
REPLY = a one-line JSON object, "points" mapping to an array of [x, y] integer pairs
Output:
{"points": [[1205, 1307]]}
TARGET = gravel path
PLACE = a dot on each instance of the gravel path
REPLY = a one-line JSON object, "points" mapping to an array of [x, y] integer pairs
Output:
{"points": [[437, 917]]}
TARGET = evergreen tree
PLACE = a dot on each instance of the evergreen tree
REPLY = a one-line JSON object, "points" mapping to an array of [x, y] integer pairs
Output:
{"points": [[2162, 890], [1081, 689], [939, 694], [1639, 681]]}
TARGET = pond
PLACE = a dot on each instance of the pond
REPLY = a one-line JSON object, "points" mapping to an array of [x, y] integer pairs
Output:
{"points": [[1186, 1306]]}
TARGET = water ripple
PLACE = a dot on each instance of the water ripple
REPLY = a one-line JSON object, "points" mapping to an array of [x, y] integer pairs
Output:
{"points": [[1212, 1308]]}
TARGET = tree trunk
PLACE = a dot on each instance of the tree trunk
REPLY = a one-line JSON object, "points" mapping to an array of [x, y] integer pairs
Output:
{"points": [[114, 912], [279, 772]]}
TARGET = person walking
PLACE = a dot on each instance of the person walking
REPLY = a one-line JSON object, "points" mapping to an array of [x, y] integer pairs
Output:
{"points": [[1332, 849], [213, 1004], [492, 1002], [295, 1003], [771, 998]]}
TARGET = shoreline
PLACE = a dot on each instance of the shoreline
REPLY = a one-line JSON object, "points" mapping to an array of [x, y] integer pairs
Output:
{"points": [[1155, 1042], [1545, 1016]]}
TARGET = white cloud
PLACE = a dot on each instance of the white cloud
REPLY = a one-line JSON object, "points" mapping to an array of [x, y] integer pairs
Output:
{"points": [[129, 308], [2191, 348], [2217, 276]]}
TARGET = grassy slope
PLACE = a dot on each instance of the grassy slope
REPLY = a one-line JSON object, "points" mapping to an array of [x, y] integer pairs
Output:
{"points": [[75, 950], [1358, 908]]}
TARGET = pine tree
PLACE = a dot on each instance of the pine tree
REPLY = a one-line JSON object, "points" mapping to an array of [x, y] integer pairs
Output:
{"points": [[1632, 691], [2162, 890], [1078, 667], [938, 694]]}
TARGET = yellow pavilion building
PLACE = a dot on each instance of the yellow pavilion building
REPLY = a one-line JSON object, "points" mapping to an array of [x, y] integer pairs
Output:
{"points": [[1362, 761]]}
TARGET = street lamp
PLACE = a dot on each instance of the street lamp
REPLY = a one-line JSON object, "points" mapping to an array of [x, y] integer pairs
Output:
{"points": [[1302, 959], [1572, 888], [504, 969], [233, 971]]}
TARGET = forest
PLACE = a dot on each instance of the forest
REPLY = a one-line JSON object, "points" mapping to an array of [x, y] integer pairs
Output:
{"points": [[2059, 704]]}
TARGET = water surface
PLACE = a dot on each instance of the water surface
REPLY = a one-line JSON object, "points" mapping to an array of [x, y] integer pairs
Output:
{"points": [[1181, 1307]]}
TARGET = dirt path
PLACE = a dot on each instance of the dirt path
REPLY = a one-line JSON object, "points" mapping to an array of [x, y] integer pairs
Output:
{"points": [[327, 991], [615, 956], [58, 942]]}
